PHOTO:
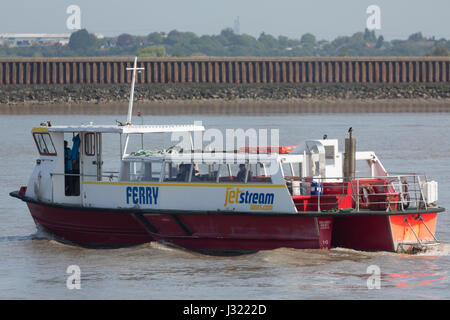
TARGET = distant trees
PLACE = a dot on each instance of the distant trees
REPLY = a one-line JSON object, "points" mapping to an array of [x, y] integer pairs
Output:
{"points": [[82, 42], [416, 37], [152, 51], [438, 51], [380, 42], [308, 40], [155, 38], [125, 40], [227, 43], [369, 35]]}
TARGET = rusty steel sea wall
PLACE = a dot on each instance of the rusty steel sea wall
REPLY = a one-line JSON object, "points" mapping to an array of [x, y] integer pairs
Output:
{"points": [[225, 70]]}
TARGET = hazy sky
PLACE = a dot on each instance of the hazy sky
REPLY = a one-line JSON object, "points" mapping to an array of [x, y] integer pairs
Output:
{"points": [[324, 18]]}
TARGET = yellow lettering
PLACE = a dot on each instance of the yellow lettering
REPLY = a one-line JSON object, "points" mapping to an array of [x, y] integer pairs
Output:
{"points": [[227, 197], [231, 198]]}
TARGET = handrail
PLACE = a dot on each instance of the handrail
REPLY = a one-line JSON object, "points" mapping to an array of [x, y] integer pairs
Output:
{"points": [[392, 192], [82, 175]]}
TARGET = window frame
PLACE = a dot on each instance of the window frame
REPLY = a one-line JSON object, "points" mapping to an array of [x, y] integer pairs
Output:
{"points": [[93, 147], [52, 154]]}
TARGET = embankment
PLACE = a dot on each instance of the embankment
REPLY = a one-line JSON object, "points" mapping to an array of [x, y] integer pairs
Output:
{"points": [[114, 93]]}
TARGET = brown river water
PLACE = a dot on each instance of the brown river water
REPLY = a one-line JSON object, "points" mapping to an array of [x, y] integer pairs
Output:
{"points": [[33, 264]]}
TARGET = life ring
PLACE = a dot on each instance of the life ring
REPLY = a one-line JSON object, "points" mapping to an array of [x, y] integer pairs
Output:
{"points": [[398, 198], [365, 191]]}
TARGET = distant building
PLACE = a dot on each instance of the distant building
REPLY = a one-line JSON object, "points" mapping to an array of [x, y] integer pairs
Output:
{"points": [[33, 39]]}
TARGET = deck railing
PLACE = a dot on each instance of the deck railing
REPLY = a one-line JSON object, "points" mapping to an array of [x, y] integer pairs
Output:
{"points": [[394, 192]]}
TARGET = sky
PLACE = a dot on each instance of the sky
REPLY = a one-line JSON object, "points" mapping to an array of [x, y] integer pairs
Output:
{"points": [[326, 19]]}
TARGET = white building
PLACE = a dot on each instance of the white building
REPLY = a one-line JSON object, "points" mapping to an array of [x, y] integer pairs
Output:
{"points": [[29, 39]]}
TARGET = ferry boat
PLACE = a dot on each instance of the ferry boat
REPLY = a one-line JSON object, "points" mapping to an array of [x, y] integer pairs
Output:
{"points": [[307, 196]]}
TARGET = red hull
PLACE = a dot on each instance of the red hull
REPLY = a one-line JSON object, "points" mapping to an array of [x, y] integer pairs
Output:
{"points": [[237, 232], [90, 227], [203, 232], [362, 233], [234, 232], [400, 232]]}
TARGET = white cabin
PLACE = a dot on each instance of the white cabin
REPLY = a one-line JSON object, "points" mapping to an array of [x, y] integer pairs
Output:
{"points": [[153, 181]]}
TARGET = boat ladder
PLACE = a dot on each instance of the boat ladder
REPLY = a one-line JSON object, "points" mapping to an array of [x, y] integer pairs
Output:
{"points": [[421, 245]]}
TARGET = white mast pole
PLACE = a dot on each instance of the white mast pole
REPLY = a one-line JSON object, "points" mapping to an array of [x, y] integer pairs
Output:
{"points": [[130, 106]]}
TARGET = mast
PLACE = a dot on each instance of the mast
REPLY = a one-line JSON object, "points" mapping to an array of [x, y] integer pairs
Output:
{"points": [[130, 106]]}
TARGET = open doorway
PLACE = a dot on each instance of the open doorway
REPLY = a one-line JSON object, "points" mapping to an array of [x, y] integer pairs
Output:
{"points": [[72, 143]]}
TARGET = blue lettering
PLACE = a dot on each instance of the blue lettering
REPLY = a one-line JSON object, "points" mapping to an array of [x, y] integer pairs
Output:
{"points": [[135, 195], [269, 198], [261, 198], [128, 194], [254, 198], [142, 195], [155, 194], [241, 198], [246, 197], [148, 195]]}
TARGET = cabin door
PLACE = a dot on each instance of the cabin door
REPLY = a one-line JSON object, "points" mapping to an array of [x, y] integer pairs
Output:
{"points": [[92, 161]]}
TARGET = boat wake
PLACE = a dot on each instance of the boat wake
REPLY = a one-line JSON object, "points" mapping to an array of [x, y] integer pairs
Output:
{"points": [[440, 250], [16, 238], [311, 257], [40, 234], [170, 248]]}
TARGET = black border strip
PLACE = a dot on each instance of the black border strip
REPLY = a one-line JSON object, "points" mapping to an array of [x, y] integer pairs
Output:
{"points": [[147, 223], [181, 224]]}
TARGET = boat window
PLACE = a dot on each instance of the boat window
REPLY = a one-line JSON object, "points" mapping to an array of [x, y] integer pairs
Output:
{"points": [[230, 173], [175, 171], [182, 171], [202, 172], [140, 171], [287, 170], [243, 173], [258, 173], [44, 144], [89, 144], [292, 170]]}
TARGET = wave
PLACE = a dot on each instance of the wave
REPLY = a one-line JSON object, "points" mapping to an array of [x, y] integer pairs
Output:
{"points": [[440, 250]]}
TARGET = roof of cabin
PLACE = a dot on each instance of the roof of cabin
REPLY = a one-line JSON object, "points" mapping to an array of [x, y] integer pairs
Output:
{"points": [[130, 129]]}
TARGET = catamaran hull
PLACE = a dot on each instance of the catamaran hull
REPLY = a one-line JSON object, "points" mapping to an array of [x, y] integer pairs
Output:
{"points": [[215, 232], [96, 228], [212, 233], [237, 232], [399, 232]]}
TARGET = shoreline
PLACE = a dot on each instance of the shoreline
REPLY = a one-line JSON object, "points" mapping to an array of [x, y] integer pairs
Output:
{"points": [[236, 106], [222, 98]]}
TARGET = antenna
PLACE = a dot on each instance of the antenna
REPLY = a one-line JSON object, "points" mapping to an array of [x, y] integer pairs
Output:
{"points": [[237, 26], [130, 106]]}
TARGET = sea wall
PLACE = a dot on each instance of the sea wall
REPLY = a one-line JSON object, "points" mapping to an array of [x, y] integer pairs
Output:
{"points": [[26, 71]]}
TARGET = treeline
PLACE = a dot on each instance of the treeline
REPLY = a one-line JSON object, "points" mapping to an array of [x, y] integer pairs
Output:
{"points": [[228, 43]]}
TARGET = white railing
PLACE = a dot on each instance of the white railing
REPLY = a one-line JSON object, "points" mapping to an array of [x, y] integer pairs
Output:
{"points": [[395, 192]]}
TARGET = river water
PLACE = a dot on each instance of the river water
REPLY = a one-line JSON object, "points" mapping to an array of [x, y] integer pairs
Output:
{"points": [[33, 264]]}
